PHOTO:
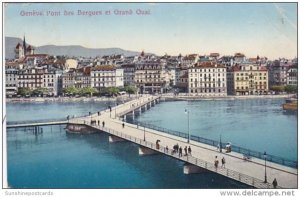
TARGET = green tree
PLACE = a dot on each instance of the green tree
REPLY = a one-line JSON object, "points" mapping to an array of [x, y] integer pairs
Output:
{"points": [[24, 91], [291, 88], [112, 91], [40, 91], [277, 88], [87, 90], [71, 90], [129, 89]]}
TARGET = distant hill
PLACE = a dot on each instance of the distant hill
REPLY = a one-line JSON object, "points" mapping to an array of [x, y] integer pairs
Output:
{"points": [[72, 50], [10, 44]]}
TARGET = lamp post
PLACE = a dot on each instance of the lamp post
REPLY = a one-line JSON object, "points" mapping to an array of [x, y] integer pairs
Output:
{"points": [[116, 109], [265, 156], [144, 133], [188, 113], [220, 144]]}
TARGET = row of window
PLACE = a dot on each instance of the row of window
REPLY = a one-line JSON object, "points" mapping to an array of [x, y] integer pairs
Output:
{"points": [[208, 70], [145, 81], [208, 79], [206, 90], [208, 85], [209, 75]]}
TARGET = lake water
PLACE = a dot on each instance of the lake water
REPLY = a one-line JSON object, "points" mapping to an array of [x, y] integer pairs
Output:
{"points": [[55, 159]]}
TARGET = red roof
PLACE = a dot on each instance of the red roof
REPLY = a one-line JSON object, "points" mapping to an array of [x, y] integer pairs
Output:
{"points": [[104, 68], [208, 65]]}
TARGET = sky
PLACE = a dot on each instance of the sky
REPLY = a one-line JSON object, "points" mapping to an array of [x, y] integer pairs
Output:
{"points": [[264, 29]]}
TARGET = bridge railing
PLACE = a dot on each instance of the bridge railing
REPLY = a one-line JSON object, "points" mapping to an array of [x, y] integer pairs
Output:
{"points": [[193, 160], [35, 121], [234, 148]]}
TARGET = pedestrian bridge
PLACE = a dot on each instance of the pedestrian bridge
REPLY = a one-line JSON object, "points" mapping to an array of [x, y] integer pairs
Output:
{"points": [[248, 171], [35, 123]]}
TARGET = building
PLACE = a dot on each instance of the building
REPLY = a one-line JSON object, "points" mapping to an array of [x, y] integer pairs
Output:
{"points": [[106, 76], [148, 76], [68, 79], [207, 79], [239, 58], [52, 81], [129, 73], [11, 81], [292, 75], [247, 79], [22, 50], [189, 61], [278, 72], [70, 64], [31, 78], [40, 78]]}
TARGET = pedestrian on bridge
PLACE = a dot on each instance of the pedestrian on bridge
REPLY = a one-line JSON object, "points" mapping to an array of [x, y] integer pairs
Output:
{"points": [[123, 125], [190, 151], [216, 161], [185, 151], [274, 183], [103, 124], [223, 162], [180, 151]]}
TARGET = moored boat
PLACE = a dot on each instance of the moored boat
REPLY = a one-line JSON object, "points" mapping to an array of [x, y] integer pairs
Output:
{"points": [[291, 104]]}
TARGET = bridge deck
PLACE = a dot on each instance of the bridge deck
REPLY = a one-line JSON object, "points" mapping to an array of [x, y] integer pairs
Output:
{"points": [[249, 172], [35, 124]]}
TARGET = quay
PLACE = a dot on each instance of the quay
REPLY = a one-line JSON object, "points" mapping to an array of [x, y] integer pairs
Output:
{"points": [[201, 160]]}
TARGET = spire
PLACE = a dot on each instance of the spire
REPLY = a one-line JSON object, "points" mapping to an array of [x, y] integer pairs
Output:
{"points": [[24, 43]]}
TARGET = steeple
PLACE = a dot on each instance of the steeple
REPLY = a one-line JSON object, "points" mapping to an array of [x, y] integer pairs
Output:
{"points": [[24, 43]]}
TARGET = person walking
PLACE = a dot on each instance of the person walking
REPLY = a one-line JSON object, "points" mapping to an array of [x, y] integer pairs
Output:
{"points": [[274, 183], [123, 125], [190, 150], [103, 124], [223, 162], [216, 161], [180, 151], [185, 151], [167, 149]]}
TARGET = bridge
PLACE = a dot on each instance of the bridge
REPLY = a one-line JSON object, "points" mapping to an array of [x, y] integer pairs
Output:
{"points": [[36, 123], [154, 140]]}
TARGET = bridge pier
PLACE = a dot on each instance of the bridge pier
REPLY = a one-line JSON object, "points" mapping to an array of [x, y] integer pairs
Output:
{"points": [[192, 169], [132, 114], [146, 151], [113, 139]]}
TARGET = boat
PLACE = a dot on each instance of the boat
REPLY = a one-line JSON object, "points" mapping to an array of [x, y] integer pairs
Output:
{"points": [[291, 104]]}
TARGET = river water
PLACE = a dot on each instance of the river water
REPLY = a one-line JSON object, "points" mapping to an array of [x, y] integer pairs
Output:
{"points": [[55, 159]]}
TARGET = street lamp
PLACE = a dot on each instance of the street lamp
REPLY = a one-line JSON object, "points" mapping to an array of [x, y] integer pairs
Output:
{"points": [[265, 156], [116, 109], [144, 133], [188, 113]]}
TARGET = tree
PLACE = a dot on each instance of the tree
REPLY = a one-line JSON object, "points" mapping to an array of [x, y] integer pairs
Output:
{"points": [[291, 88], [24, 91], [112, 91], [277, 88], [87, 90], [40, 91], [130, 89], [71, 90]]}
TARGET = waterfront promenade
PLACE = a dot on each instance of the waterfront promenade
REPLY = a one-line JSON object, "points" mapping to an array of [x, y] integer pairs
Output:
{"points": [[251, 172]]}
